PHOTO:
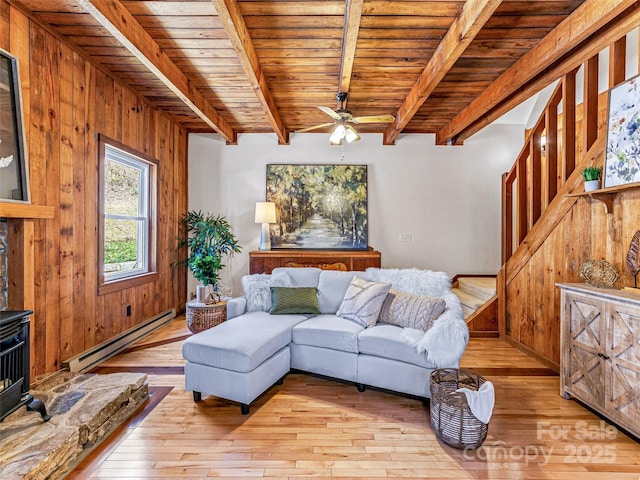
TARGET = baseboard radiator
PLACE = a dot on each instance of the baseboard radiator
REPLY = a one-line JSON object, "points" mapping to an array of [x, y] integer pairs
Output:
{"points": [[98, 354]]}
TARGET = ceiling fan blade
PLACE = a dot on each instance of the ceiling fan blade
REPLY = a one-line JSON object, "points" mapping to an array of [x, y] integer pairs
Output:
{"points": [[308, 129], [374, 119], [330, 112]]}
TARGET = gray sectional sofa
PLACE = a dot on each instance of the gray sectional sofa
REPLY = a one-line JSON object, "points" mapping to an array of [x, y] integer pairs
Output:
{"points": [[243, 357]]}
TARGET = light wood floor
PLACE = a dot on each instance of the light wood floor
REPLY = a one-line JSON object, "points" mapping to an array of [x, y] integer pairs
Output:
{"points": [[316, 427]]}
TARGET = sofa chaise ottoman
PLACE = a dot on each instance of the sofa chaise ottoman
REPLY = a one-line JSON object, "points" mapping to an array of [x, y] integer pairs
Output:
{"points": [[243, 357]]}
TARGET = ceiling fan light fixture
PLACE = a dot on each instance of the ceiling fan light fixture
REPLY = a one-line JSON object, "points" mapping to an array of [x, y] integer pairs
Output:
{"points": [[343, 120], [337, 135], [351, 135]]}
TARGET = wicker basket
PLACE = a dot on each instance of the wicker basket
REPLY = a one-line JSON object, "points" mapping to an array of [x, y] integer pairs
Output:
{"points": [[201, 316], [451, 417]]}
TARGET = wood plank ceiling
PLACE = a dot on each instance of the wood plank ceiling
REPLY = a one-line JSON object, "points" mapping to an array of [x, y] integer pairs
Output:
{"points": [[263, 66]]}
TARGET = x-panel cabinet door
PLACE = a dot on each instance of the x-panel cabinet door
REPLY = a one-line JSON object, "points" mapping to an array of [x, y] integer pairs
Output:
{"points": [[622, 363], [584, 344]]}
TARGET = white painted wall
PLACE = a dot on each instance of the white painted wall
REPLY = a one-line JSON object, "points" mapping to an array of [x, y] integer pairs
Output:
{"points": [[204, 175], [447, 198]]}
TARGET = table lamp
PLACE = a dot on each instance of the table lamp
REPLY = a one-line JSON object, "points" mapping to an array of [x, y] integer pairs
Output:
{"points": [[265, 214]]}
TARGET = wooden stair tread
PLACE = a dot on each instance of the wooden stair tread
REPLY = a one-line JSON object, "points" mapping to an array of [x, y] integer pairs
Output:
{"points": [[481, 287], [476, 296], [468, 300]]}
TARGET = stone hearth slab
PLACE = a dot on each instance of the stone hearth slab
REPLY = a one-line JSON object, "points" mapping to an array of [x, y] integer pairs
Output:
{"points": [[84, 409]]}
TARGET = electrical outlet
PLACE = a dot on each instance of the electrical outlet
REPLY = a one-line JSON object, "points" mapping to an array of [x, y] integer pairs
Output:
{"points": [[405, 237]]}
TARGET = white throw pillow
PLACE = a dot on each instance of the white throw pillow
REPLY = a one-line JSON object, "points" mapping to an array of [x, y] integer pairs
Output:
{"points": [[257, 289], [363, 301]]}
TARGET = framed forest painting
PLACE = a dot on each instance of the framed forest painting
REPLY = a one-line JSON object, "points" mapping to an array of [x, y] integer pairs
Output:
{"points": [[318, 206], [622, 160]]}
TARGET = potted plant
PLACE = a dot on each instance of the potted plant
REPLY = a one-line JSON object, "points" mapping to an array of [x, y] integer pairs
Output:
{"points": [[591, 177], [209, 239]]}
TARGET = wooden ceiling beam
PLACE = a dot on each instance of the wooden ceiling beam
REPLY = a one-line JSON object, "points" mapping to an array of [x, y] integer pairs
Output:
{"points": [[352, 17], [115, 18], [233, 22], [621, 26], [578, 27], [473, 16]]}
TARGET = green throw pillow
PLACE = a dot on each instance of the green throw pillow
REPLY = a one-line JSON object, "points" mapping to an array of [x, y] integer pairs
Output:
{"points": [[287, 300]]}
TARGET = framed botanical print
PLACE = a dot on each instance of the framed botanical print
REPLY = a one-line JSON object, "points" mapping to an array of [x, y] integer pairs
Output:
{"points": [[622, 160], [14, 168]]}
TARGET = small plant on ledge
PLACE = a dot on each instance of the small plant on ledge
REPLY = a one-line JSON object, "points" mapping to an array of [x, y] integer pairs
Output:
{"points": [[591, 177], [209, 239]]}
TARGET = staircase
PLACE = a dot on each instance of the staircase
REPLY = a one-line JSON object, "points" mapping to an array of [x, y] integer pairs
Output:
{"points": [[479, 304]]}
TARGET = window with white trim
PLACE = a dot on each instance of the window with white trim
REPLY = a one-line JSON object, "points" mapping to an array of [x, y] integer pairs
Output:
{"points": [[127, 186]]}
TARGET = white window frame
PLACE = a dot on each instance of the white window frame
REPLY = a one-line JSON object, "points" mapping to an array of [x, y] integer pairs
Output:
{"points": [[111, 150]]}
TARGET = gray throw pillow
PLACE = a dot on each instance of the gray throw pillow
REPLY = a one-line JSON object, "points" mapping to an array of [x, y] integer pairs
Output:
{"points": [[412, 311], [363, 301]]}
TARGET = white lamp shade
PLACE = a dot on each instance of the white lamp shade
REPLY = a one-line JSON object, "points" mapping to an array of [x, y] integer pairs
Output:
{"points": [[265, 212]]}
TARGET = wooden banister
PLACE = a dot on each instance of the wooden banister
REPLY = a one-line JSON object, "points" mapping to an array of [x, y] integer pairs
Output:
{"points": [[590, 102], [544, 182], [551, 146], [542, 168], [521, 198], [535, 176], [535, 179], [507, 220], [568, 124], [558, 208], [539, 250]]}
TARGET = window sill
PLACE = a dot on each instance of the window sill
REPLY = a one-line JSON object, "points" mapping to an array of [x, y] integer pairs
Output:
{"points": [[123, 284]]}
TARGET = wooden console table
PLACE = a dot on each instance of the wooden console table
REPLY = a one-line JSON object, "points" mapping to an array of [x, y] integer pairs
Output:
{"points": [[265, 261]]}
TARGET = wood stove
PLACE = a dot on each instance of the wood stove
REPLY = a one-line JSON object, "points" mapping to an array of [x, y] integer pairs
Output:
{"points": [[15, 366]]}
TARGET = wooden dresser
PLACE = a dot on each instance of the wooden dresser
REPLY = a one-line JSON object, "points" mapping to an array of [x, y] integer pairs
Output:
{"points": [[265, 261], [600, 352]]}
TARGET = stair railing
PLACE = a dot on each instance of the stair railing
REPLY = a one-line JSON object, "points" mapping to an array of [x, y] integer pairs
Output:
{"points": [[564, 132], [545, 162], [561, 140]]}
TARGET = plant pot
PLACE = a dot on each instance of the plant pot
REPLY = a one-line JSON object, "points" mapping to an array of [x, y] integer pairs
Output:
{"points": [[591, 185]]}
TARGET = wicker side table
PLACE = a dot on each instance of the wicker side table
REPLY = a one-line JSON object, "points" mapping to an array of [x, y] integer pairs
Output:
{"points": [[451, 416], [202, 316]]}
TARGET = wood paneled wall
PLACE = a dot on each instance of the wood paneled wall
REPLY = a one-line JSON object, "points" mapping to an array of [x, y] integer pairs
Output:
{"points": [[67, 102], [585, 233]]}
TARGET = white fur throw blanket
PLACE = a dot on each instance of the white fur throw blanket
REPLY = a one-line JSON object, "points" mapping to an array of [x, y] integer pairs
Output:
{"points": [[445, 341], [257, 289]]}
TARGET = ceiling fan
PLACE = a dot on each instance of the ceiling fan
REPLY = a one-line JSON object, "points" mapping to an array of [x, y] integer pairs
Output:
{"points": [[343, 121]]}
